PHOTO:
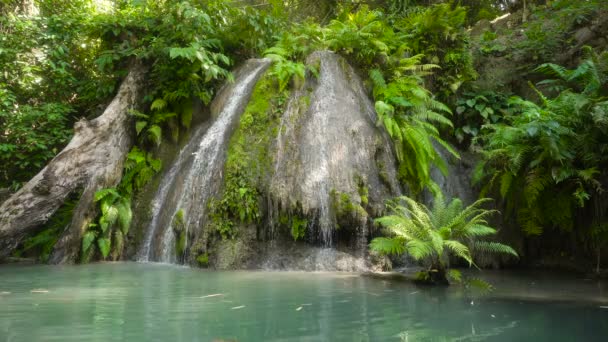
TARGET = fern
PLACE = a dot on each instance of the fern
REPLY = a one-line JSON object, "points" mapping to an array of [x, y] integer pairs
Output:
{"points": [[430, 235]]}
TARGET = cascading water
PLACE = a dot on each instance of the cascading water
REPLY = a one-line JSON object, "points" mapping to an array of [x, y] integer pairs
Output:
{"points": [[196, 175], [329, 150]]}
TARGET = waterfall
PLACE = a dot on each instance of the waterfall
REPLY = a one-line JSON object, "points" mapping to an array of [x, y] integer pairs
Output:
{"points": [[196, 175], [329, 153]]}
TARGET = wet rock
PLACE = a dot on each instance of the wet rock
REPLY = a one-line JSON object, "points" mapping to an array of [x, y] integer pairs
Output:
{"points": [[331, 151]]}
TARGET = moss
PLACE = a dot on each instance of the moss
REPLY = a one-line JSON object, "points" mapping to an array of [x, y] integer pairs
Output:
{"points": [[180, 243], [382, 173], [249, 161], [345, 209], [298, 227], [178, 223], [363, 193], [203, 260], [362, 190]]}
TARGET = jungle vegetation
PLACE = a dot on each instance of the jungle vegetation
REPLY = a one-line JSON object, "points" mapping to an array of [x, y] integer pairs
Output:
{"points": [[542, 155]]}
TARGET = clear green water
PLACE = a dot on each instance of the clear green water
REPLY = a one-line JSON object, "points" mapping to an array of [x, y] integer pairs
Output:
{"points": [[139, 302]]}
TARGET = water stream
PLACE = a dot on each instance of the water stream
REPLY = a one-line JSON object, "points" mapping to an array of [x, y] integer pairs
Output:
{"points": [[197, 172]]}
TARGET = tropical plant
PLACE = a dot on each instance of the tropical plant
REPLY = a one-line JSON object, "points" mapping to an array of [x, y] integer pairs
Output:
{"points": [[363, 34], [438, 32], [48, 76], [587, 78], [409, 113], [111, 227], [476, 109], [547, 159], [433, 235]]}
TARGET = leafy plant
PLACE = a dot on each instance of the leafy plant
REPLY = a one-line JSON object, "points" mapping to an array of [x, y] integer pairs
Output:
{"points": [[298, 227], [31, 136], [548, 159], [112, 224], [438, 32], [474, 110], [409, 114], [432, 235], [362, 34]]}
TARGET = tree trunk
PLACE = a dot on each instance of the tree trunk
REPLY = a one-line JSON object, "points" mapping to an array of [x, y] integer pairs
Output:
{"points": [[91, 161]]}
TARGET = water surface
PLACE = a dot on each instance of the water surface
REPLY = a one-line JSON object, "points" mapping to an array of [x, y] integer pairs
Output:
{"points": [[153, 302]]}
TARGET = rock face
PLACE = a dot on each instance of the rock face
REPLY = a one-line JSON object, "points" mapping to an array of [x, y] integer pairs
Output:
{"points": [[457, 183]]}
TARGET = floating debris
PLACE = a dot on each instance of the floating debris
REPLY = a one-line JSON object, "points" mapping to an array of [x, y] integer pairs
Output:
{"points": [[604, 307], [411, 293], [306, 304], [39, 291], [299, 308], [4, 293], [237, 307], [212, 295]]}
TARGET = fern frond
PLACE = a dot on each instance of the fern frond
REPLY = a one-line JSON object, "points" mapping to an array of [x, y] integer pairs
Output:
{"points": [[494, 247], [459, 250], [392, 246]]}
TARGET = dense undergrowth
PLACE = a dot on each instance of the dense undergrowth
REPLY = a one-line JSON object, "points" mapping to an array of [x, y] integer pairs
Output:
{"points": [[543, 153]]}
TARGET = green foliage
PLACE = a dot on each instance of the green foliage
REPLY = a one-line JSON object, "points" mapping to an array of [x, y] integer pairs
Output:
{"points": [[345, 208], [179, 229], [548, 159], [248, 158], [489, 44], [551, 30], [474, 110], [439, 33], [410, 115], [283, 69], [41, 245], [139, 168], [362, 34], [203, 260], [182, 40], [115, 217], [298, 227], [48, 75], [30, 136], [239, 203], [431, 235]]}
